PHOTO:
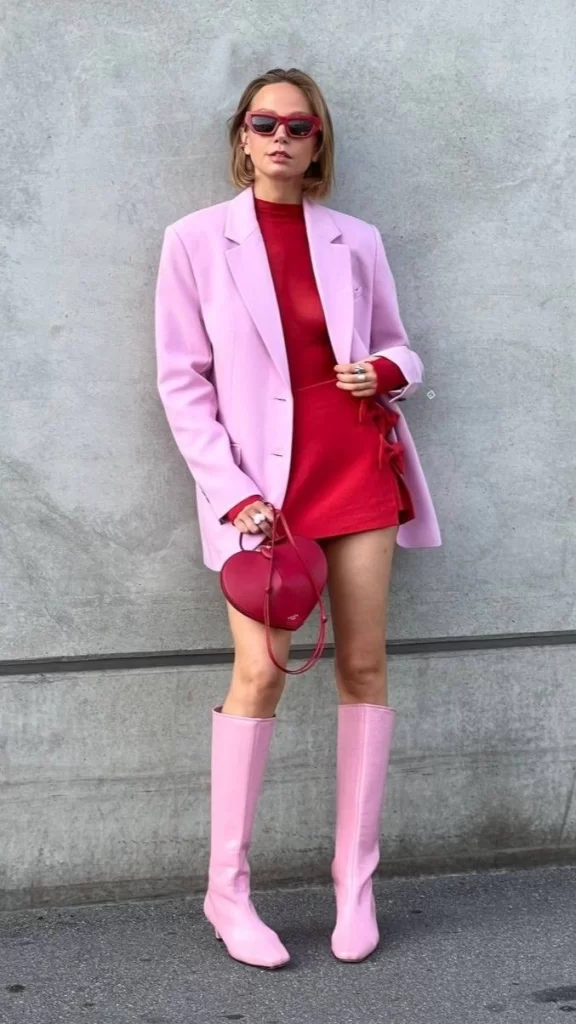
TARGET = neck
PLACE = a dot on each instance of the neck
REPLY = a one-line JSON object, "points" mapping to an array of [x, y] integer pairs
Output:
{"points": [[278, 191]]}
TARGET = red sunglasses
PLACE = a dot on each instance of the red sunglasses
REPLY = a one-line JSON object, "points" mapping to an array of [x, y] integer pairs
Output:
{"points": [[300, 126]]}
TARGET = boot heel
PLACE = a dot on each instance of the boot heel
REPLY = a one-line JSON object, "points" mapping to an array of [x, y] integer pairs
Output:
{"points": [[213, 927]]}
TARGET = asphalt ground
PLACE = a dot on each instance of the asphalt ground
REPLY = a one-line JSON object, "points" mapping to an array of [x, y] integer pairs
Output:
{"points": [[496, 947]]}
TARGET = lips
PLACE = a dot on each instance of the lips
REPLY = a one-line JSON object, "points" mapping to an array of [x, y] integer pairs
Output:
{"points": [[280, 155]]}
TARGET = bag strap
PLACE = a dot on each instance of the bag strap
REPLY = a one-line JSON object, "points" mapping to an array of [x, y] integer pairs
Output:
{"points": [[278, 517]]}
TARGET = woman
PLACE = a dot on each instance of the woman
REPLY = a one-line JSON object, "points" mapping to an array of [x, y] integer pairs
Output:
{"points": [[277, 328]]}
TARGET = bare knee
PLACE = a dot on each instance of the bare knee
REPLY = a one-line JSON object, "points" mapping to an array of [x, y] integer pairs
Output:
{"points": [[362, 679], [256, 689], [261, 678], [257, 683]]}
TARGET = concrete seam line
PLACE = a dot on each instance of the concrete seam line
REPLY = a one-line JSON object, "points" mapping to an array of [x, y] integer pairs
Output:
{"points": [[131, 661], [569, 802]]}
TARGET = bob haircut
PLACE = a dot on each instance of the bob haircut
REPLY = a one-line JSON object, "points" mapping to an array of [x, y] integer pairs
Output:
{"points": [[320, 175]]}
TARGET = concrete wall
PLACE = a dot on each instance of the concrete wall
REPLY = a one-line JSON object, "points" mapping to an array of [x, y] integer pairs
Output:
{"points": [[104, 778], [455, 127]]}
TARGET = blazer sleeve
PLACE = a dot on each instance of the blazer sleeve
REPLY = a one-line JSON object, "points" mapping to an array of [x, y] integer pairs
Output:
{"points": [[184, 360], [388, 337]]}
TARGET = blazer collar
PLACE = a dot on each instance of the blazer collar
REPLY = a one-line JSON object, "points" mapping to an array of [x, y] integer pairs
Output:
{"points": [[241, 219]]}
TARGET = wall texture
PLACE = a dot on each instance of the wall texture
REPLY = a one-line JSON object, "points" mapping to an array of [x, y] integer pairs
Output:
{"points": [[456, 137], [104, 778]]}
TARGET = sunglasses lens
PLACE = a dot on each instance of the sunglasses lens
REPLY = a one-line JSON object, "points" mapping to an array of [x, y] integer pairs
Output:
{"points": [[263, 124], [300, 127]]}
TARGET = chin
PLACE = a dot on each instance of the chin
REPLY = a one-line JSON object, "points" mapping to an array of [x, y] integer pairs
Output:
{"points": [[285, 173]]}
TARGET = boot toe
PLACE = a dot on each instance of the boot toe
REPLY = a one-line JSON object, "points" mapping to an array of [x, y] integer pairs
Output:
{"points": [[354, 944], [262, 950], [245, 936], [352, 953]]}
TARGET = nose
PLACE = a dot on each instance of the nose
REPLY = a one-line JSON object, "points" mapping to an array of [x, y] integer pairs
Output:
{"points": [[281, 134]]}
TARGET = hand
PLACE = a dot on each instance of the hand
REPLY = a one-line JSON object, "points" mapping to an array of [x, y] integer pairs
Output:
{"points": [[348, 380], [245, 521]]}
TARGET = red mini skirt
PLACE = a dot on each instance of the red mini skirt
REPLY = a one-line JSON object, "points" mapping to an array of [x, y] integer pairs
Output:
{"points": [[347, 467]]}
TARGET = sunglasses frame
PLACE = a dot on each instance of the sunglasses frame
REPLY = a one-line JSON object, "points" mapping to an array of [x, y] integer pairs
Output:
{"points": [[315, 130]]}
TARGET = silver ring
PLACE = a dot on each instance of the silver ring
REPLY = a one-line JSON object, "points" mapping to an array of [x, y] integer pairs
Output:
{"points": [[258, 518], [360, 374]]}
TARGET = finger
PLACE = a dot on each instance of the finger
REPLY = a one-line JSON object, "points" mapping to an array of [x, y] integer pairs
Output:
{"points": [[352, 378], [364, 364], [363, 391], [266, 527], [364, 394], [249, 524], [366, 367], [262, 526], [365, 388], [256, 510]]}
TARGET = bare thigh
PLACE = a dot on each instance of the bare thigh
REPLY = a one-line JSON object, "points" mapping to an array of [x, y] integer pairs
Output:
{"points": [[257, 685], [360, 567]]}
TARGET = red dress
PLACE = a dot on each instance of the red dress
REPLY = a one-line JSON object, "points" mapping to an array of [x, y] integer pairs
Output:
{"points": [[346, 474]]}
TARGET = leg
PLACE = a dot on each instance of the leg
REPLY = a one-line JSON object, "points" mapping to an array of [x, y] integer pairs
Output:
{"points": [[257, 685], [360, 567], [241, 735], [360, 573]]}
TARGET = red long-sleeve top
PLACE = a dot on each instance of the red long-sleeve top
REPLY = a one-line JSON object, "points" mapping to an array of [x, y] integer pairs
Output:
{"points": [[310, 356]]}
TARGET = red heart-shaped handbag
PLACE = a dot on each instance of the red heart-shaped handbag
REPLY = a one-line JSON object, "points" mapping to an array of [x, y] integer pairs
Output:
{"points": [[279, 584]]}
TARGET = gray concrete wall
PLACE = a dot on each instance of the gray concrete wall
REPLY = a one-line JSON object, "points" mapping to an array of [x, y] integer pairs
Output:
{"points": [[456, 136], [104, 778]]}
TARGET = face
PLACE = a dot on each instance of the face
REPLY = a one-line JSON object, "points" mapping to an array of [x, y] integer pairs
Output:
{"points": [[279, 156]]}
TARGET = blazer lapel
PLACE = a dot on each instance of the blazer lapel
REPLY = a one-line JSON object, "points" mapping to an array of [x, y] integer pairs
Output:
{"points": [[248, 263], [333, 271]]}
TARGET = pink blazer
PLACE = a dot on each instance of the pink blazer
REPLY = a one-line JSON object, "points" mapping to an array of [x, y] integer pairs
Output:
{"points": [[222, 367]]}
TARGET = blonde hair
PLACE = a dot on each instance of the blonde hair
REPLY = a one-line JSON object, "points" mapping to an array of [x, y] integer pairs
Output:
{"points": [[320, 175]]}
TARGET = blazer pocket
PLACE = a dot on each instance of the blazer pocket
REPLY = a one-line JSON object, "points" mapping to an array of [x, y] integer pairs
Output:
{"points": [[236, 453]]}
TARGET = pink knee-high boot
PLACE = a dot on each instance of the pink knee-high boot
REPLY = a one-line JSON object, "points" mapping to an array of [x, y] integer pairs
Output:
{"points": [[239, 754], [364, 742]]}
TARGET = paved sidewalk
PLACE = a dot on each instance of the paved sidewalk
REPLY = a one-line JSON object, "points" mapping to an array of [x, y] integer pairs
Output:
{"points": [[479, 948]]}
